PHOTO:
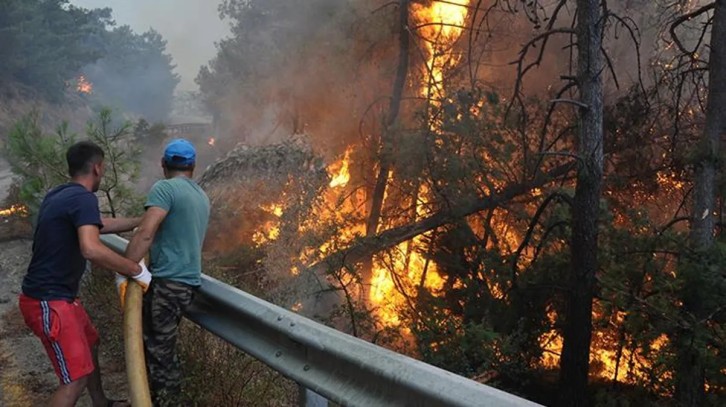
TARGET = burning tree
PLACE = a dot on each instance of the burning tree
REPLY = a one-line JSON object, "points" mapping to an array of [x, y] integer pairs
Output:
{"points": [[499, 234]]}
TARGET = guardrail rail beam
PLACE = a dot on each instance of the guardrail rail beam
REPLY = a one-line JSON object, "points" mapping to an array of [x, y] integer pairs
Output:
{"points": [[338, 366]]}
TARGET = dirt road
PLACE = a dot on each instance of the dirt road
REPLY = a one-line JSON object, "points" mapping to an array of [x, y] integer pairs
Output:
{"points": [[5, 178], [26, 376]]}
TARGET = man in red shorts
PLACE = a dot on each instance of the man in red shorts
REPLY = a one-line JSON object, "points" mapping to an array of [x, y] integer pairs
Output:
{"points": [[67, 234]]}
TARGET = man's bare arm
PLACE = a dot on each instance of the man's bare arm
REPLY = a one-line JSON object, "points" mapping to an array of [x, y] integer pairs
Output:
{"points": [[93, 250], [118, 225], [144, 236]]}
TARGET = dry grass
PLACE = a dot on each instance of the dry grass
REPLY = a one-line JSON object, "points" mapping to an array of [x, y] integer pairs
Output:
{"points": [[26, 377], [218, 374]]}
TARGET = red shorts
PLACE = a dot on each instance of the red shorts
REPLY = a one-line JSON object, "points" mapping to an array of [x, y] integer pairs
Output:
{"points": [[66, 332]]}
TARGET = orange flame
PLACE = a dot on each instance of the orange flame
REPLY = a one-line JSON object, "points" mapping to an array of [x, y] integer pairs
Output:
{"points": [[411, 270], [398, 275], [630, 366], [342, 175], [83, 85], [19, 210], [441, 25], [270, 230]]}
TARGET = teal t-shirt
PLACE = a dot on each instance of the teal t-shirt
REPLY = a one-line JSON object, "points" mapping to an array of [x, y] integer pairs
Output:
{"points": [[176, 252]]}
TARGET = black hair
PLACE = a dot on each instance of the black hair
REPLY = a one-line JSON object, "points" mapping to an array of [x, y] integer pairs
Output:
{"points": [[172, 166], [81, 156]]}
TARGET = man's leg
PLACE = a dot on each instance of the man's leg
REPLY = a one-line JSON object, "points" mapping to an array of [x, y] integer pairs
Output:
{"points": [[164, 305], [94, 385], [59, 329], [67, 394], [95, 388]]}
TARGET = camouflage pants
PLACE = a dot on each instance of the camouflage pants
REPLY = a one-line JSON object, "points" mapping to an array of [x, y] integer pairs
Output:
{"points": [[164, 304]]}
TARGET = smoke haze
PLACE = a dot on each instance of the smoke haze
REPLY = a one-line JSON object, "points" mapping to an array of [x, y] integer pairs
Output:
{"points": [[190, 27]]}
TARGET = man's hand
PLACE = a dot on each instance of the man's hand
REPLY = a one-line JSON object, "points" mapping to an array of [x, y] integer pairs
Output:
{"points": [[143, 279]]}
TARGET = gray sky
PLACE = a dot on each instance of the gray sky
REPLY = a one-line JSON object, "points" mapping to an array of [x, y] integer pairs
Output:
{"points": [[190, 28]]}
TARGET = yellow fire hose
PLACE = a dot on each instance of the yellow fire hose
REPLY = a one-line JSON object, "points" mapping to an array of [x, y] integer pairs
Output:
{"points": [[134, 347]]}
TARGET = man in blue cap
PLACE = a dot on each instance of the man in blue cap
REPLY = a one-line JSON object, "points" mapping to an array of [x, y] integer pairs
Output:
{"points": [[172, 230]]}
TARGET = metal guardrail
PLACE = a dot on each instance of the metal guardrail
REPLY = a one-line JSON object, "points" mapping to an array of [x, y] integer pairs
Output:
{"points": [[342, 368]]}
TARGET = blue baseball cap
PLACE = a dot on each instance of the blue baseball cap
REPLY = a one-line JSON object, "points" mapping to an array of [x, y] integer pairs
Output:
{"points": [[180, 152]]}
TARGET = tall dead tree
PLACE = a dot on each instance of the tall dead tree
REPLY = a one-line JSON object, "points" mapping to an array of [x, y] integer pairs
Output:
{"points": [[690, 370], [574, 361]]}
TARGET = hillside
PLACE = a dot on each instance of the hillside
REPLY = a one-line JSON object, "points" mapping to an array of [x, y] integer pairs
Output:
{"points": [[19, 100]]}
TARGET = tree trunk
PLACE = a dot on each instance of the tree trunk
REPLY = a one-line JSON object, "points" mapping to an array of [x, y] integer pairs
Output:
{"points": [[379, 190], [574, 361], [690, 374]]}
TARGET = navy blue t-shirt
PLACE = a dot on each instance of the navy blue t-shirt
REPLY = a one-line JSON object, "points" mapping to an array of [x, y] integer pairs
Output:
{"points": [[57, 265]]}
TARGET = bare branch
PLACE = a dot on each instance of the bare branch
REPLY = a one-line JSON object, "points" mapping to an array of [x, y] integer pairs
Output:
{"points": [[610, 66], [521, 72], [557, 196], [390, 3], [687, 17], [632, 28], [673, 222], [572, 102]]}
